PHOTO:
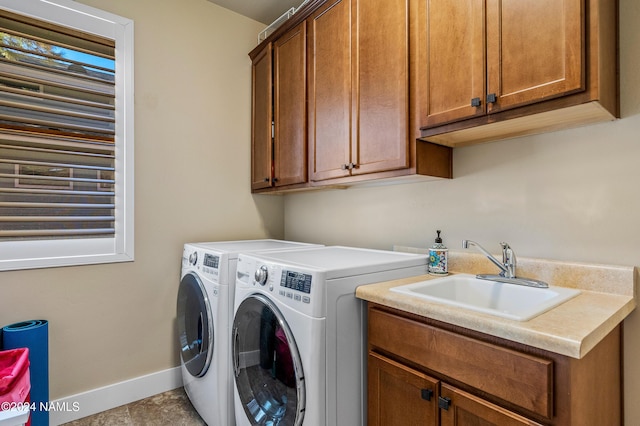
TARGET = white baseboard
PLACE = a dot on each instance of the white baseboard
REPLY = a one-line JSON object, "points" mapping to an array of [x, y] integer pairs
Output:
{"points": [[105, 398]]}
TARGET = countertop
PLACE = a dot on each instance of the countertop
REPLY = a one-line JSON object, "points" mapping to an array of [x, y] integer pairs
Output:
{"points": [[608, 296]]}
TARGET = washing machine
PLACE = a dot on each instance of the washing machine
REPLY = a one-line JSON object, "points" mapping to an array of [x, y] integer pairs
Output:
{"points": [[299, 333], [204, 314]]}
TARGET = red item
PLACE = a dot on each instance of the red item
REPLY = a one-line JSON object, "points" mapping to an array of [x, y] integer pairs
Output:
{"points": [[15, 381], [284, 363]]}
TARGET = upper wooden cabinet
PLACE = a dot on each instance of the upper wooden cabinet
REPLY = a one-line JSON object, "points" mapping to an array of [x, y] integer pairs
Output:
{"points": [[334, 99], [487, 57], [261, 118], [534, 51], [330, 91], [358, 88], [501, 68], [290, 88], [279, 134], [343, 89]]}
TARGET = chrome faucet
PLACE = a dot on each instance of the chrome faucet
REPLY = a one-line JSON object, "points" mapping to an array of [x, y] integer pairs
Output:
{"points": [[507, 266]]}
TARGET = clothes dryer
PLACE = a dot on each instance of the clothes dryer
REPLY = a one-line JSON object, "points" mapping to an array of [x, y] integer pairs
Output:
{"points": [[299, 345], [204, 314]]}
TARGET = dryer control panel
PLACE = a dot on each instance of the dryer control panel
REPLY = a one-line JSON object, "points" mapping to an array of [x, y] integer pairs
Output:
{"points": [[296, 281], [290, 285]]}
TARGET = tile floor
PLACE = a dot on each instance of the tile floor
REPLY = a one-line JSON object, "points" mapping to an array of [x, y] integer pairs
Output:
{"points": [[170, 408]]}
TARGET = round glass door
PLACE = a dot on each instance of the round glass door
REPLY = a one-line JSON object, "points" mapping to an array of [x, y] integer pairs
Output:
{"points": [[267, 366], [195, 326]]}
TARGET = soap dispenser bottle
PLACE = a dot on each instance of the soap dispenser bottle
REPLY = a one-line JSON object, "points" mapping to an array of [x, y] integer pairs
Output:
{"points": [[438, 254]]}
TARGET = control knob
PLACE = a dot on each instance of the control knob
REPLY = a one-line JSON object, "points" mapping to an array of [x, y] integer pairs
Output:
{"points": [[193, 258], [262, 274]]}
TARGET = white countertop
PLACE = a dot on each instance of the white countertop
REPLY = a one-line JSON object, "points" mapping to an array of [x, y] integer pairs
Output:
{"points": [[572, 328]]}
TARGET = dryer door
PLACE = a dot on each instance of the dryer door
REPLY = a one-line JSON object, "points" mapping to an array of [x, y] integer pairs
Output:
{"points": [[267, 365], [195, 325]]}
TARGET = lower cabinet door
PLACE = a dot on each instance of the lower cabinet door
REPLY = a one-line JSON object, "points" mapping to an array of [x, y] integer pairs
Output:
{"points": [[461, 408], [399, 395]]}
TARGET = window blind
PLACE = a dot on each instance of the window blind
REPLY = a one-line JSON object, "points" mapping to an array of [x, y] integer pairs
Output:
{"points": [[57, 131]]}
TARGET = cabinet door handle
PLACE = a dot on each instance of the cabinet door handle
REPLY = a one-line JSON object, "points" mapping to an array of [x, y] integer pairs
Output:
{"points": [[349, 166], [444, 402], [491, 98], [267, 179], [274, 180], [476, 102], [426, 394]]}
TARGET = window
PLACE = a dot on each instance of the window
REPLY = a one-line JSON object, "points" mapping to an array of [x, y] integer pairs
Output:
{"points": [[66, 135]]}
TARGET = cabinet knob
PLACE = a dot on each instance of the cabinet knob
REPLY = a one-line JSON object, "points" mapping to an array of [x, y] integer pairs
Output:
{"points": [[444, 402], [426, 394], [349, 166], [491, 98], [475, 102], [274, 180], [266, 179]]}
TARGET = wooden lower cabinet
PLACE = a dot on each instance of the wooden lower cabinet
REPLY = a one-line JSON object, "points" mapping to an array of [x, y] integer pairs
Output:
{"points": [[425, 372], [459, 408], [402, 396], [399, 395]]}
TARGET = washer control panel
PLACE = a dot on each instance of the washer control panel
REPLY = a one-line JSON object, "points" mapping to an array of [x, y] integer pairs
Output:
{"points": [[207, 264], [211, 265], [211, 261]]}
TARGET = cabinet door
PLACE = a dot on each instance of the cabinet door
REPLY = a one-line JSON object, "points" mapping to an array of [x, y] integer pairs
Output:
{"points": [[464, 409], [261, 119], [329, 74], [380, 137], [290, 130], [534, 50], [454, 39], [399, 395]]}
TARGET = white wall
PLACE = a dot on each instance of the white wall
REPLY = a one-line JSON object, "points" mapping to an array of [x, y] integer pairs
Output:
{"points": [[110, 323], [569, 195]]}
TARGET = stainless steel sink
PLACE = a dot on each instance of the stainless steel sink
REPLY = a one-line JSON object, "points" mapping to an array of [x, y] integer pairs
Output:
{"points": [[510, 301]]}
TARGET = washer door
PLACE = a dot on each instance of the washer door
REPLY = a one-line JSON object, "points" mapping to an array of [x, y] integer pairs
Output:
{"points": [[267, 365], [195, 325]]}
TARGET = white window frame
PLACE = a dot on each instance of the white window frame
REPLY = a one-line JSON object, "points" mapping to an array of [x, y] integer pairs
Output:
{"points": [[120, 248]]}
